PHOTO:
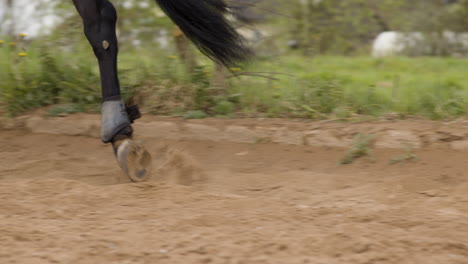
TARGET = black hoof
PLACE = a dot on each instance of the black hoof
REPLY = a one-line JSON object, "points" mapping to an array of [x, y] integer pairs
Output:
{"points": [[134, 160]]}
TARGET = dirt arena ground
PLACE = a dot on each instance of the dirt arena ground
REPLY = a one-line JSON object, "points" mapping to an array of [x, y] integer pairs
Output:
{"points": [[64, 200]]}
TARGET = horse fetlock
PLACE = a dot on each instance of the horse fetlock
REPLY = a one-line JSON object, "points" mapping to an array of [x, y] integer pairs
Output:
{"points": [[115, 123]]}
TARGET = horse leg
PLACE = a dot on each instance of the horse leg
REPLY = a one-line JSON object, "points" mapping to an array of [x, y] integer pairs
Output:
{"points": [[99, 20]]}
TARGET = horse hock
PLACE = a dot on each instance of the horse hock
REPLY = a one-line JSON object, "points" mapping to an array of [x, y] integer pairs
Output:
{"points": [[116, 127]]}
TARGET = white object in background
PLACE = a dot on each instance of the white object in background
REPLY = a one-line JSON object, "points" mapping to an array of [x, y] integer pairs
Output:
{"points": [[33, 18]]}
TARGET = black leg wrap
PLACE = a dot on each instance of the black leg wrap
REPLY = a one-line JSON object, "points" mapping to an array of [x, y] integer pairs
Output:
{"points": [[133, 112]]}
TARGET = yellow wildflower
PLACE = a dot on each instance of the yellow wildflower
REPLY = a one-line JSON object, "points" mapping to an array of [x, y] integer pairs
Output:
{"points": [[1, 41], [22, 35], [235, 69], [22, 54], [172, 57], [12, 44]]}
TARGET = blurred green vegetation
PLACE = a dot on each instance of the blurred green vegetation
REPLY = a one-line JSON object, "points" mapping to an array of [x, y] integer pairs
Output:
{"points": [[348, 27], [318, 87], [345, 86], [314, 80]]}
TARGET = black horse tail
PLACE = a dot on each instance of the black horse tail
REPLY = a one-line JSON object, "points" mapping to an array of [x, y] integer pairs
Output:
{"points": [[204, 23]]}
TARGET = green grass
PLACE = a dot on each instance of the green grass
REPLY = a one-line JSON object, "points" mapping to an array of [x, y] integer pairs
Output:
{"points": [[434, 87], [44, 77], [361, 147], [318, 87], [407, 157]]}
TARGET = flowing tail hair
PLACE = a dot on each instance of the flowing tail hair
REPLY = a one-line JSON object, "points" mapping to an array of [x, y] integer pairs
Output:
{"points": [[204, 23]]}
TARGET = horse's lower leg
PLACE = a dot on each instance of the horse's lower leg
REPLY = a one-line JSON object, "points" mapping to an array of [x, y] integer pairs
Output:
{"points": [[99, 20]]}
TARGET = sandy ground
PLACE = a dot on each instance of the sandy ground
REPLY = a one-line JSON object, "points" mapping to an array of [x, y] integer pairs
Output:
{"points": [[64, 200]]}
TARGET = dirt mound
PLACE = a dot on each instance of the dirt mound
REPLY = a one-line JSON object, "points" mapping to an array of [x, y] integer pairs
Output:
{"points": [[64, 200]]}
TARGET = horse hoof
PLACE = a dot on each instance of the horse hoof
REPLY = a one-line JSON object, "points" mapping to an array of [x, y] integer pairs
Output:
{"points": [[134, 159]]}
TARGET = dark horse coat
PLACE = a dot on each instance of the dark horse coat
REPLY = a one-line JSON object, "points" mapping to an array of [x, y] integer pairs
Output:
{"points": [[202, 21]]}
